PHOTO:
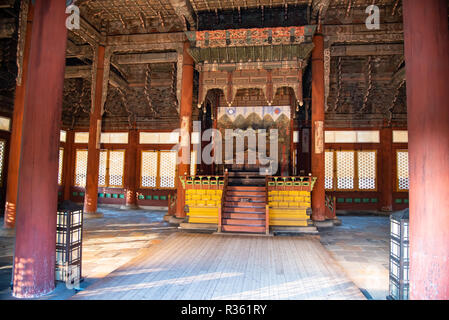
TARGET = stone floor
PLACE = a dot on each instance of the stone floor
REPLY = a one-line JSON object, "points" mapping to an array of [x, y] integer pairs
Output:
{"points": [[359, 246]]}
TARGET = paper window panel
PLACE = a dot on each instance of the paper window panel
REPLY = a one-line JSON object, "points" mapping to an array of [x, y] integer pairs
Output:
{"points": [[81, 137], [402, 169], [5, 124], [345, 170], [167, 169], [400, 136], [60, 165], [329, 170], [366, 164], [149, 169], [116, 168], [81, 168], [63, 136], [102, 168]]}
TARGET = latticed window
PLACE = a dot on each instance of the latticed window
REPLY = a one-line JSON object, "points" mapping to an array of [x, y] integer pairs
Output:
{"points": [[111, 168], [158, 169], [193, 163], [329, 170], [149, 169], [61, 165], [345, 170], [351, 170], [116, 167], [80, 168], [2, 159], [366, 172], [102, 168], [167, 169], [402, 170]]}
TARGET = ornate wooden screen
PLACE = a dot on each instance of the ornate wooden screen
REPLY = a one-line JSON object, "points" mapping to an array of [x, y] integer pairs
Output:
{"points": [[329, 170], [350, 170], [2, 158], [116, 168], [149, 169], [345, 170], [366, 170], [402, 181], [111, 168], [61, 165], [102, 168], [80, 168], [193, 163], [167, 169], [158, 169]]}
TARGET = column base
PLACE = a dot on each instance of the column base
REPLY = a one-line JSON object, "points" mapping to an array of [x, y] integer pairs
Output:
{"points": [[93, 215], [130, 207], [175, 220], [7, 232]]}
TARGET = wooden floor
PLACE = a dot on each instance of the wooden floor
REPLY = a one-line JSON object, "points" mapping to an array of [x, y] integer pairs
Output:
{"points": [[202, 266]]}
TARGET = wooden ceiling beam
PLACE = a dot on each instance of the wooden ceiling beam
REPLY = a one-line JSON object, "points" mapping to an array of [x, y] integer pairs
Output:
{"points": [[367, 50], [185, 12], [85, 72], [145, 58], [318, 10]]}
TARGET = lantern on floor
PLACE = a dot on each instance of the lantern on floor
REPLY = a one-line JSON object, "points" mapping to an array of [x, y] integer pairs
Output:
{"points": [[399, 256], [69, 243]]}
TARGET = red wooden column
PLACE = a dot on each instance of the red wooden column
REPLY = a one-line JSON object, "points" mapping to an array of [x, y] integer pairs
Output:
{"points": [[386, 166], [317, 154], [93, 147], [68, 163], [131, 171], [426, 40], [185, 126], [16, 135], [35, 248]]}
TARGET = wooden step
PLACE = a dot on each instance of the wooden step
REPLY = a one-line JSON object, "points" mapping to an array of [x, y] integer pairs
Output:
{"points": [[254, 199], [243, 193], [246, 215], [250, 204], [244, 222], [246, 229], [246, 188], [243, 209]]}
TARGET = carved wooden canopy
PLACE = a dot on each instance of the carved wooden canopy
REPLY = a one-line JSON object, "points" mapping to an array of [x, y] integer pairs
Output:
{"points": [[263, 58]]}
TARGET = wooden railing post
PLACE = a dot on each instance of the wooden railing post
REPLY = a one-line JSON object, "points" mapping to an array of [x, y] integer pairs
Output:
{"points": [[223, 198], [267, 208]]}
